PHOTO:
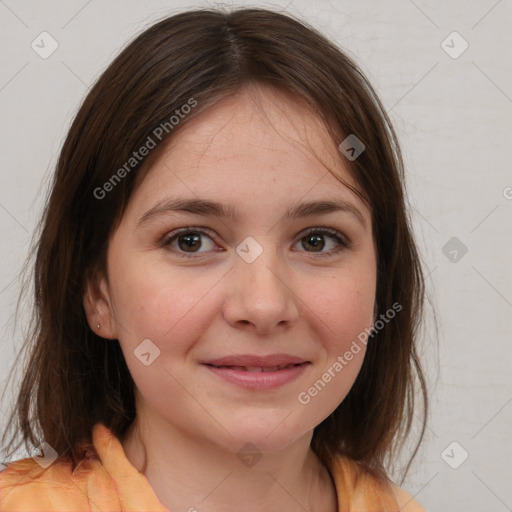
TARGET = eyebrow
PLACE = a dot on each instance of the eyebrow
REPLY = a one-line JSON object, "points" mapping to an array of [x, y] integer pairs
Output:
{"points": [[213, 208]]}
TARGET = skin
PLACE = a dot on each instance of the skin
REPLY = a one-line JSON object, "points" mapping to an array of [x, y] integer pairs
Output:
{"points": [[255, 151]]}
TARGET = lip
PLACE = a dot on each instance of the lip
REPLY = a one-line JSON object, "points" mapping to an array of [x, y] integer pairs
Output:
{"points": [[254, 360], [258, 372]]}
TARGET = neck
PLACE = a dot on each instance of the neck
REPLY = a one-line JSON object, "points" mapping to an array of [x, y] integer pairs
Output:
{"points": [[191, 474]]}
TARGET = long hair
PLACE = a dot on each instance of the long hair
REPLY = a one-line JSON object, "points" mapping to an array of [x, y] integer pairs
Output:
{"points": [[71, 377]]}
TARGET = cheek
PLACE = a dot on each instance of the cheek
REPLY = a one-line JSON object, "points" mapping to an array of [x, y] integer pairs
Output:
{"points": [[344, 307], [344, 315], [159, 303], [167, 308]]}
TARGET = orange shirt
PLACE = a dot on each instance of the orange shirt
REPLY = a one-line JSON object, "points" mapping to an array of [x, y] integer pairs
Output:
{"points": [[113, 484]]}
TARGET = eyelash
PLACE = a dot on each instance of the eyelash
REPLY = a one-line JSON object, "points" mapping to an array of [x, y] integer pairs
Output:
{"points": [[336, 235]]}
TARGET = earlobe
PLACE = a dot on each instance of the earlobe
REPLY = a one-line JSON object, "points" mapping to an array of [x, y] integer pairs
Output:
{"points": [[98, 309]]}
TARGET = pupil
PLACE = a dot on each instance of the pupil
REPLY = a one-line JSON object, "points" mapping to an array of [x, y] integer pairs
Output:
{"points": [[317, 241], [190, 241]]}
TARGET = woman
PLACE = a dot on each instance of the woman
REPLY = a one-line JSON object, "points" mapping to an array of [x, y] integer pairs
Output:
{"points": [[234, 320]]}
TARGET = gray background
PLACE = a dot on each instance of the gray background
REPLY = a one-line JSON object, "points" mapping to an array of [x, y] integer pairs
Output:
{"points": [[452, 115]]}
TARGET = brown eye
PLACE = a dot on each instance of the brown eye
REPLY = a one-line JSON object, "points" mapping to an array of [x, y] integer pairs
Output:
{"points": [[314, 241], [188, 241]]}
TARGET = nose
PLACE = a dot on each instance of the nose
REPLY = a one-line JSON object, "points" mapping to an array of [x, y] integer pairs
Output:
{"points": [[260, 295]]}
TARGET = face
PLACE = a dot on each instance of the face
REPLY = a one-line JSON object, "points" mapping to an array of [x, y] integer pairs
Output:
{"points": [[201, 301]]}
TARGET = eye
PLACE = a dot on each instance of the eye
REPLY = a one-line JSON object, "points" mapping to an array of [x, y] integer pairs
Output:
{"points": [[314, 238], [187, 241]]}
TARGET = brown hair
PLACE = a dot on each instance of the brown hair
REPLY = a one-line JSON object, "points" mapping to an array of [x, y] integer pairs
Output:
{"points": [[73, 378]]}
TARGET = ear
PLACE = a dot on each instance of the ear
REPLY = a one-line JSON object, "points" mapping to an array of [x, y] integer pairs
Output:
{"points": [[98, 307]]}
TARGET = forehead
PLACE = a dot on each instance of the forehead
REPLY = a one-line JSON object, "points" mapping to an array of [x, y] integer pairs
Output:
{"points": [[260, 141], [258, 118]]}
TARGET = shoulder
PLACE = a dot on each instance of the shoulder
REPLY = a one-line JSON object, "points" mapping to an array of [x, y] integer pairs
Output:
{"points": [[26, 485], [358, 489], [104, 479], [406, 501]]}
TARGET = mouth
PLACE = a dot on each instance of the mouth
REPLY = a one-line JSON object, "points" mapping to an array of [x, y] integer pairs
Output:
{"points": [[255, 361], [256, 368], [256, 372]]}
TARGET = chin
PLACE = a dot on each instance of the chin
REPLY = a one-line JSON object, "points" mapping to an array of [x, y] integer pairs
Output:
{"points": [[272, 433]]}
